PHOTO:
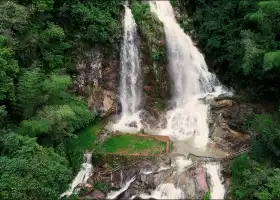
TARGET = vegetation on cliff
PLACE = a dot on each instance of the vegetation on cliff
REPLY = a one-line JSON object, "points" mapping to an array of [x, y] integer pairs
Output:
{"points": [[39, 112], [153, 48], [256, 176]]}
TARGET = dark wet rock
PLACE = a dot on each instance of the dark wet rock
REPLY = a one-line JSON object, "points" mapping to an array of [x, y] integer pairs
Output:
{"points": [[94, 194], [148, 120], [171, 105], [226, 96], [207, 99], [221, 103], [133, 124], [225, 122], [164, 159], [118, 107], [149, 174]]}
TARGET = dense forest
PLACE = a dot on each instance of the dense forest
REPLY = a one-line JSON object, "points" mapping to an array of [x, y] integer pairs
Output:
{"points": [[40, 113], [241, 42]]}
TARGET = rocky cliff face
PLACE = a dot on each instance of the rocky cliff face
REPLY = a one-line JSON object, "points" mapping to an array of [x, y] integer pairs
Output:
{"points": [[97, 79], [226, 120], [155, 80], [97, 76], [150, 174]]}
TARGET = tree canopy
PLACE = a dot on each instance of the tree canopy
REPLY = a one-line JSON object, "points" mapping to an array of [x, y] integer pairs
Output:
{"points": [[40, 41]]}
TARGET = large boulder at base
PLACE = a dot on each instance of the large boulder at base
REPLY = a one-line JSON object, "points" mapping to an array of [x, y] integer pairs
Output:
{"points": [[226, 117]]}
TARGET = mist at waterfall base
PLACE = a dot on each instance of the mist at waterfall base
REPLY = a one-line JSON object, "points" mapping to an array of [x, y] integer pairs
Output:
{"points": [[130, 83], [82, 176]]}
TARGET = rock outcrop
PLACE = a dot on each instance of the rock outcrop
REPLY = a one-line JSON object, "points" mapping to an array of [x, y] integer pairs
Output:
{"points": [[149, 174], [226, 118], [97, 79]]}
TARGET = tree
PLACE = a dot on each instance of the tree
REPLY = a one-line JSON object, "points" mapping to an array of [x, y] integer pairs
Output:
{"points": [[29, 171], [9, 69], [29, 92]]}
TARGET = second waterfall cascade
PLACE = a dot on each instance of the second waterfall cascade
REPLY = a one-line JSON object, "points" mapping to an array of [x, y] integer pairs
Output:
{"points": [[130, 83], [192, 81]]}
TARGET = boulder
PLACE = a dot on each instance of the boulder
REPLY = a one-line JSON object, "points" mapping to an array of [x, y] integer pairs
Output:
{"points": [[94, 194], [133, 124]]}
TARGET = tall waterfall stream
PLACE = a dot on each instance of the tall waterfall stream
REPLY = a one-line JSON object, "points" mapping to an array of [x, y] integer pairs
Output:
{"points": [[130, 83], [192, 81], [187, 121]]}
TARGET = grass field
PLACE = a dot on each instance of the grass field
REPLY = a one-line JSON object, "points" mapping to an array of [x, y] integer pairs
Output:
{"points": [[132, 144], [85, 139]]}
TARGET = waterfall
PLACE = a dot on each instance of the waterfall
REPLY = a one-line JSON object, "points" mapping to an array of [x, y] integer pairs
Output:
{"points": [[115, 194], [165, 191], [82, 176], [191, 78], [130, 83], [218, 189], [192, 81]]}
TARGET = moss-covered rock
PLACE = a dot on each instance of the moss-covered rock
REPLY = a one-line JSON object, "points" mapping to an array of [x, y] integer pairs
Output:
{"points": [[153, 55]]}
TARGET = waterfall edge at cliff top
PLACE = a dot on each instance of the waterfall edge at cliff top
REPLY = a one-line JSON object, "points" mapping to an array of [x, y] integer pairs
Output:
{"points": [[130, 83]]}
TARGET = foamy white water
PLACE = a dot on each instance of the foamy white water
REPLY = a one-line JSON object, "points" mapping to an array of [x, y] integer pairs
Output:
{"points": [[191, 80], [115, 194], [82, 176], [130, 85], [165, 191], [218, 189], [181, 163]]}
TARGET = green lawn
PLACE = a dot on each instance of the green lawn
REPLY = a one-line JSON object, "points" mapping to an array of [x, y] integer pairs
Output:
{"points": [[131, 144], [87, 137]]}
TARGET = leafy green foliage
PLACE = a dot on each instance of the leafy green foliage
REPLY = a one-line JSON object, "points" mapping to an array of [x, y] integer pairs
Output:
{"points": [[271, 60], [257, 177], [29, 92], [40, 41], [57, 121], [29, 170], [85, 140], [241, 41], [153, 48], [254, 181], [267, 144], [207, 196], [104, 187], [9, 69], [151, 30]]}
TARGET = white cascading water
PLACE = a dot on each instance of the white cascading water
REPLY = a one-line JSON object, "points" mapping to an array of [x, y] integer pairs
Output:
{"points": [[192, 81], [82, 176], [130, 86], [218, 189], [165, 191], [115, 194]]}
